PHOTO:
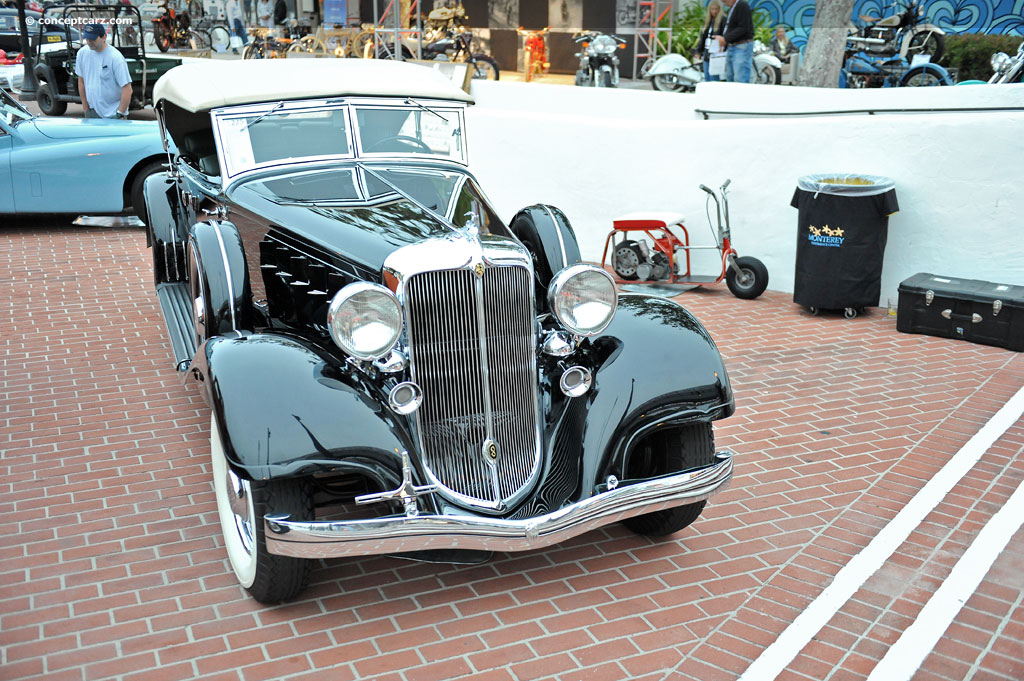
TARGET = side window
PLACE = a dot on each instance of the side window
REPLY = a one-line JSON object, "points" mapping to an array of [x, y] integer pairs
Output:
{"points": [[470, 205]]}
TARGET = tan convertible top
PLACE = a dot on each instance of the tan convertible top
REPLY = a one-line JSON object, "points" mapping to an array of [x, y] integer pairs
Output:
{"points": [[199, 87]]}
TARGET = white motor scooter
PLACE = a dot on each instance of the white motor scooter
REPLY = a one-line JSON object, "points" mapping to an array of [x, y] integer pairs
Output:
{"points": [[675, 73]]}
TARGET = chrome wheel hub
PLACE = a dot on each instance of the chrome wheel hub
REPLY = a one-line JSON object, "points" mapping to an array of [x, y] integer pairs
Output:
{"points": [[240, 503]]}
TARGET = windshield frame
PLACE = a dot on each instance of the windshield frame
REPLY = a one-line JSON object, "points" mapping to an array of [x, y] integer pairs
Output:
{"points": [[9, 100], [231, 172]]}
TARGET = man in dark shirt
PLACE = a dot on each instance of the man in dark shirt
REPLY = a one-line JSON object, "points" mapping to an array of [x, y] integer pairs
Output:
{"points": [[738, 41]]}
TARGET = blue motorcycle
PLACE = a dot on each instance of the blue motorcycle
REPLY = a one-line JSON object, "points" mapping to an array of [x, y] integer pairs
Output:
{"points": [[863, 70]]}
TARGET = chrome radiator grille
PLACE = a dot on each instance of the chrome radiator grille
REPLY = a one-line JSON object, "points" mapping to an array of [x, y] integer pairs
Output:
{"points": [[472, 351]]}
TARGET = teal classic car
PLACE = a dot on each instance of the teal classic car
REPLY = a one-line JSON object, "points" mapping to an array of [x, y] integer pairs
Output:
{"points": [[74, 166]]}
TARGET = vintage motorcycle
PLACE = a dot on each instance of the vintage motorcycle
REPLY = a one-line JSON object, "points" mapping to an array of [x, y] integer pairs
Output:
{"points": [[864, 70], [902, 34], [172, 28], [675, 73], [599, 67], [447, 38], [1008, 69]]}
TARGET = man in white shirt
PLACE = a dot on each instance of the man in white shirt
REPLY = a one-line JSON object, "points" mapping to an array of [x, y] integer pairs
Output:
{"points": [[104, 83]]}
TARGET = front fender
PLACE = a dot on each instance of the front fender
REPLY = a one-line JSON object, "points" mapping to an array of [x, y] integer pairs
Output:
{"points": [[670, 63], [285, 409], [657, 364], [162, 206], [941, 73], [767, 58]]}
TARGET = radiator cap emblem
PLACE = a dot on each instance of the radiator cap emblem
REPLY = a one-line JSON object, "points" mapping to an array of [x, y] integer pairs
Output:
{"points": [[479, 269], [490, 450]]}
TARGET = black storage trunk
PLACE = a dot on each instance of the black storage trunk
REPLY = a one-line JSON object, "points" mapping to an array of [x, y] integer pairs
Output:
{"points": [[970, 309], [842, 228]]}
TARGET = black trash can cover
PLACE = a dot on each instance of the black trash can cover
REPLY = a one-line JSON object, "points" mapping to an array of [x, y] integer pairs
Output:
{"points": [[842, 230]]}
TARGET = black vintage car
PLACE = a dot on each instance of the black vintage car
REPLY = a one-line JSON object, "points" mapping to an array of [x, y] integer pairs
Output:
{"points": [[391, 368], [10, 30]]}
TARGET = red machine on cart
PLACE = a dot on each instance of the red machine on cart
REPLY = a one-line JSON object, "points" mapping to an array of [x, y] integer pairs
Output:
{"points": [[666, 258]]}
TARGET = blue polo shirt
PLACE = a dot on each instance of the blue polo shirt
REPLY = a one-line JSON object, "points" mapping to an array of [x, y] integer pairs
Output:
{"points": [[105, 73]]}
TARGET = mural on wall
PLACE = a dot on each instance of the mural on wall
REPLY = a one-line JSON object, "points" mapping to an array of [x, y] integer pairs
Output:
{"points": [[952, 16]]}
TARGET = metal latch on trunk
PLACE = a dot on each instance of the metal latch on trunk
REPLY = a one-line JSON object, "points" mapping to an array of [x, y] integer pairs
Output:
{"points": [[997, 305], [929, 296]]}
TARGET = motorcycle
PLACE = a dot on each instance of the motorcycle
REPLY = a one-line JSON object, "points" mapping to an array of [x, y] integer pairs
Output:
{"points": [[901, 34], [863, 70], [1007, 69], [173, 29], [599, 67], [675, 73], [672, 73], [447, 38]]}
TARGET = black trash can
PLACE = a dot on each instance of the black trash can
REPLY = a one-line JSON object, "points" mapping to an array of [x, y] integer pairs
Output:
{"points": [[843, 225]]}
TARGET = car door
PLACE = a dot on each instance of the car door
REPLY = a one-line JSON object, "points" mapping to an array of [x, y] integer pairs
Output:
{"points": [[6, 188]]}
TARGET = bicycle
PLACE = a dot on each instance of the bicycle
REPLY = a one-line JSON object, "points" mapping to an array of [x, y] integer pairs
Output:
{"points": [[326, 41]]}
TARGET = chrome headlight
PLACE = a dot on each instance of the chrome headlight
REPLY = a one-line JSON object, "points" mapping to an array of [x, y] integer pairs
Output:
{"points": [[583, 299], [365, 320], [1000, 62]]}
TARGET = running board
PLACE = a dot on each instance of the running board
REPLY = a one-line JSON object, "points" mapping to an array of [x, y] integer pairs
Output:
{"points": [[177, 311]]}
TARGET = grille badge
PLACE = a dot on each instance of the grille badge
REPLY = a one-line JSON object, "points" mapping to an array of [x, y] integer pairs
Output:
{"points": [[479, 269], [491, 450]]}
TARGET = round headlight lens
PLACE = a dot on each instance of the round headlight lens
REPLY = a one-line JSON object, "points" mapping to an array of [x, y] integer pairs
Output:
{"points": [[604, 45], [1000, 62], [365, 320], [583, 299]]}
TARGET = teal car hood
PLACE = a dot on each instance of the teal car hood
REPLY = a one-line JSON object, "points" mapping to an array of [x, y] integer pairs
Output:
{"points": [[85, 128]]}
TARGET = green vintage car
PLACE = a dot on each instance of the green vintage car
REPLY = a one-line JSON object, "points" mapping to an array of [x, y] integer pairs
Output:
{"points": [[55, 60]]}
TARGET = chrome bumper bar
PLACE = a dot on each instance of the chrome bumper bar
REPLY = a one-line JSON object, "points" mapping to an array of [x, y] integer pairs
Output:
{"points": [[325, 539]]}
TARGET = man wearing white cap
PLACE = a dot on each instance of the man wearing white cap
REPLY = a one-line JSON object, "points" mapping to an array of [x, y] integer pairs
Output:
{"points": [[104, 83]]}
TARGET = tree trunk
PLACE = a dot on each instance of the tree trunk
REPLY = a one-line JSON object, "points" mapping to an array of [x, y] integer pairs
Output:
{"points": [[826, 44]]}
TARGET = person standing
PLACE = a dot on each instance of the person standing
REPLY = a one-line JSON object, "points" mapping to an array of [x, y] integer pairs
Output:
{"points": [[738, 42], [265, 13], [104, 83], [714, 17], [233, 15]]}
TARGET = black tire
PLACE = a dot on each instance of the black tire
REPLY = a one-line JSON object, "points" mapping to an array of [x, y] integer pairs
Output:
{"points": [[606, 79], [666, 82], [136, 195], [47, 100], [926, 42], [485, 67], [673, 450], [769, 75], [922, 77], [267, 577], [752, 282], [161, 37], [252, 52], [220, 37], [626, 258]]}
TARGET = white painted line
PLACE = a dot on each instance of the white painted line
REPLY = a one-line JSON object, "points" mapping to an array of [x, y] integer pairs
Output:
{"points": [[902, 660], [779, 654]]}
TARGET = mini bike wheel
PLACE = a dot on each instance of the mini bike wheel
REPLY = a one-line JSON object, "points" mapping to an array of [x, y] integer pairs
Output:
{"points": [[850, 312], [750, 281], [813, 311], [626, 260], [666, 82]]}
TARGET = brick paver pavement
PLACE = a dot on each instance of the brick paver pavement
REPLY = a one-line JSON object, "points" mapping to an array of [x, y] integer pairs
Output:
{"points": [[112, 565]]}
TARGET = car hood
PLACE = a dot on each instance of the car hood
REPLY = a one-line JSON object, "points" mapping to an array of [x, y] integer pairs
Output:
{"points": [[363, 234], [86, 128]]}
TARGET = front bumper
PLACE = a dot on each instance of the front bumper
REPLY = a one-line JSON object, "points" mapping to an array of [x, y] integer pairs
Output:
{"points": [[325, 539]]}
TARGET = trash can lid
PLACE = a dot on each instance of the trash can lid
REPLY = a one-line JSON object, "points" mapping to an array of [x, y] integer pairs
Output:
{"points": [[846, 184]]}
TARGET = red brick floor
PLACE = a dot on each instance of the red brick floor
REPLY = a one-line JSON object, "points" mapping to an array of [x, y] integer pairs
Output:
{"points": [[112, 566]]}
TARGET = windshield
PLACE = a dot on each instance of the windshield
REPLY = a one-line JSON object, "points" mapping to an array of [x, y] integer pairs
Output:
{"points": [[414, 129], [10, 111], [282, 135], [286, 132]]}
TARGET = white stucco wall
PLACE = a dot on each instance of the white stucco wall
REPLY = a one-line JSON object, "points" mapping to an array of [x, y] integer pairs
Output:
{"points": [[597, 154]]}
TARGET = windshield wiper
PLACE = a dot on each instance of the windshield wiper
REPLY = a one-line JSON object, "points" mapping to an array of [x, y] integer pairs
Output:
{"points": [[442, 219], [425, 108], [262, 116]]}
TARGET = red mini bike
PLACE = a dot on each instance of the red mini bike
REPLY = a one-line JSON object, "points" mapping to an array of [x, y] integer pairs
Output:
{"points": [[666, 258]]}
